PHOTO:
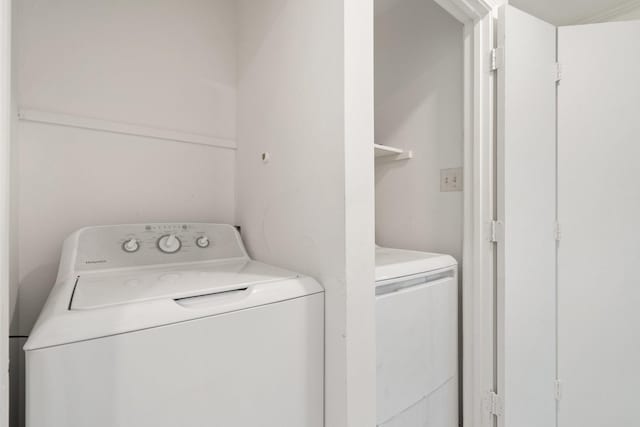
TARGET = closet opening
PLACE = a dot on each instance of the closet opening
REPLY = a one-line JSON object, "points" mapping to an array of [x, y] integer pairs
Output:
{"points": [[419, 73], [419, 127]]}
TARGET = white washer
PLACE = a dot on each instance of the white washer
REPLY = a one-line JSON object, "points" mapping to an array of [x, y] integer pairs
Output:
{"points": [[417, 339], [173, 325]]}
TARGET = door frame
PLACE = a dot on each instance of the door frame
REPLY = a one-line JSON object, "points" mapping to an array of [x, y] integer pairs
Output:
{"points": [[478, 267]]}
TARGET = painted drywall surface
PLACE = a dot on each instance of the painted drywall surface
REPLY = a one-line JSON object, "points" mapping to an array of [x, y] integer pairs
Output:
{"points": [[628, 15], [359, 212], [170, 65], [290, 93], [291, 209], [293, 100], [13, 181], [419, 106], [166, 63], [5, 155]]}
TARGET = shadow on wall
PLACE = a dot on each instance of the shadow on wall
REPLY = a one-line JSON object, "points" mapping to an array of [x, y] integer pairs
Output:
{"points": [[16, 382], [32, 293]]}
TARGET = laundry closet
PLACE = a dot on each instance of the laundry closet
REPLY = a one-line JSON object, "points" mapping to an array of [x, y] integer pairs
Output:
{"points": [[326, 131], [214, 111]]}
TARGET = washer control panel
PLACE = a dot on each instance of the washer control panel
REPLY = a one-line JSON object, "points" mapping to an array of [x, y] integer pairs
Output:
{"points": [[121, 246]]}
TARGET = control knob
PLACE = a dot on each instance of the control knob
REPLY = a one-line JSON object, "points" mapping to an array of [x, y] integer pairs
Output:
{"points": [[169, 243], [202, 242], [131, 245]]}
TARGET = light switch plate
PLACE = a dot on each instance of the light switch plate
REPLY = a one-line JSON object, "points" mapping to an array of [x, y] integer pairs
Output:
{"points": [[451, 179]]}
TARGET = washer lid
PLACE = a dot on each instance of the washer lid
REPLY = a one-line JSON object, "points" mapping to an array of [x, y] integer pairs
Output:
{"points": [[103, 304], [104, 289], [394, 263]]}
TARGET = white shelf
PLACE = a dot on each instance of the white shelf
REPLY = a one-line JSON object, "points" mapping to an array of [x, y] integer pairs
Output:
{"points": [[123, 128], [391, 153]]}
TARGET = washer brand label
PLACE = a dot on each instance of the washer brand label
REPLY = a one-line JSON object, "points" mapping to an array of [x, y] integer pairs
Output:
{"points": [[96, 261]]}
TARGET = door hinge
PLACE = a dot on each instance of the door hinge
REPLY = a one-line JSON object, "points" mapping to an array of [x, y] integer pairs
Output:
{"points": [[496, 232], [494, 404], [557, 390], [557, 71], [557, 232], [497, 58]]}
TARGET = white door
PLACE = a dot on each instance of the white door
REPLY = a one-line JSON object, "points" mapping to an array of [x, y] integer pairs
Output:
{"points": [[599, 214], [570, 311], [527, 210]]}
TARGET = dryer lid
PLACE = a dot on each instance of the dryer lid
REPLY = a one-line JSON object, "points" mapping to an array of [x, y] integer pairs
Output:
{"points": [[395, 263], [104, 289]]}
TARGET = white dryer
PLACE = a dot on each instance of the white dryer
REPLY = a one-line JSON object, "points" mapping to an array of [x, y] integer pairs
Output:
{"points": [[417, 339], [170, 325]]}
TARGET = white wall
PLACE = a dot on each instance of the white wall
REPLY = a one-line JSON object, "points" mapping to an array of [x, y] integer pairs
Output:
{"points": [[419, 106], [359, 214], [301, 101], [168, 64], [5, 123]]}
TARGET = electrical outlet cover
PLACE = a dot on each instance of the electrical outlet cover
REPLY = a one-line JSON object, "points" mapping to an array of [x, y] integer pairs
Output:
{"points": [[451, 179]]}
